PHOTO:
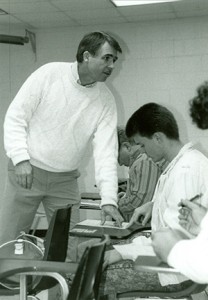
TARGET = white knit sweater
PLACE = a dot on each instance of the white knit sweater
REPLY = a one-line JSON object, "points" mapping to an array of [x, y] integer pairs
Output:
{"points": [[53, 118]]}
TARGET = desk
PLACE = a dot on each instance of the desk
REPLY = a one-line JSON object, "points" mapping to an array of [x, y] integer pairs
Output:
{"points": [[90, 196], [153, 264], [90, 206]]}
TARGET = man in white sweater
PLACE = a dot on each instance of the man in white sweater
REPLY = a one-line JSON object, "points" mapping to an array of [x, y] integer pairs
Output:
{"points": [[59, 110]]}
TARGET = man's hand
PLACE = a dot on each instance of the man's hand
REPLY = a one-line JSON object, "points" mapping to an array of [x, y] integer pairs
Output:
{"points": [[111, 256], [24, 174], [142, 214], [110, 210], [163, 241], [191, 215]]}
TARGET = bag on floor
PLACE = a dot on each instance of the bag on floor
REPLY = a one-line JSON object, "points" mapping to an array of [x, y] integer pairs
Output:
{"points": [[25, 246]]}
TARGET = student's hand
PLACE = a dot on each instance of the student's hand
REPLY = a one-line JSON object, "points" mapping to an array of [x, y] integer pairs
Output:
{"points": [[111, 256], [24, 174], [191, 215], [163, 241], [112, 211], [142, 214]]}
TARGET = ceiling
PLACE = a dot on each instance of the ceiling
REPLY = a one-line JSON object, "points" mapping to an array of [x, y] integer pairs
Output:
{"points": [[42, 14]]}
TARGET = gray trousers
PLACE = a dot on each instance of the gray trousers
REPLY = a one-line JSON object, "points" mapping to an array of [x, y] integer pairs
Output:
{"points": [[18, 206]]}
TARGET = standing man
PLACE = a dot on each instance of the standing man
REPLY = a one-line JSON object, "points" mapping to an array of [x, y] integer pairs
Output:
{"points": [[59, 110]]}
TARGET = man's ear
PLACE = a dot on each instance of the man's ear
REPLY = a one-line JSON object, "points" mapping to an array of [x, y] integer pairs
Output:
{"points": [[86, 56], [158, 137], [127, 145]]}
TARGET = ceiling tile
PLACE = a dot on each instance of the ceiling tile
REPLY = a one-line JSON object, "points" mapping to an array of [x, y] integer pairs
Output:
{"points": [[191, 13], [102, 21], [10, 20], [148, 18], [27, 7], [76, 5], [42, 17], [53, 24], [57, 13], [190, 5], [93, 13]]}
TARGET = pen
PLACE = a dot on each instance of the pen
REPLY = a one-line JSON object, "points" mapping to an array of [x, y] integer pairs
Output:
{"points": [[196, 197], [193, 198]]}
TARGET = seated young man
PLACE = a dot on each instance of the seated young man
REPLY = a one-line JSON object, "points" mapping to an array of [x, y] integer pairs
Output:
{"points": [[189, 256], [154, 127], [143, 175]]}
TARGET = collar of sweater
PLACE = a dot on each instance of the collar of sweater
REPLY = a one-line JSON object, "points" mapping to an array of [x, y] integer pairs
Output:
{"points": [[76, 76]]}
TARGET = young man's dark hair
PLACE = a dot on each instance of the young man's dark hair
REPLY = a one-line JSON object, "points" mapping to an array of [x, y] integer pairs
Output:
{"points": [[92, 43], [151, 118], [199, 107]]}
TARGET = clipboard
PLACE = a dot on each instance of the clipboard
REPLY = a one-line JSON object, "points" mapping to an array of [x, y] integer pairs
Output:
{"points": [[93, 229]]}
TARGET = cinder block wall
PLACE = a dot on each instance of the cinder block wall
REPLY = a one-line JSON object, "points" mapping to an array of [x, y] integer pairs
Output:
{"points": [[163, 61]]}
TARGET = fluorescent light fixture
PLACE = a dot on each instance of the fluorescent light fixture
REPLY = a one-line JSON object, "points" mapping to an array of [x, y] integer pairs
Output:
{"points": [[139, 2]]}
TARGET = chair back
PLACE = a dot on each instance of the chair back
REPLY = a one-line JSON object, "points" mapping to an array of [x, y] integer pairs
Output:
{"points": [[56, 242], [86, 282]]}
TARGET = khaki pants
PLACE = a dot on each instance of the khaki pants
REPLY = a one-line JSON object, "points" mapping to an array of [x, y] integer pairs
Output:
{"points": [[18, 206]]}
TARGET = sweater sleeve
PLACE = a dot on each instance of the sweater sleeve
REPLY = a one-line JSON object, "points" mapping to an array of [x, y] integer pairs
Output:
{"points": [[105, 151], [17, 119]]}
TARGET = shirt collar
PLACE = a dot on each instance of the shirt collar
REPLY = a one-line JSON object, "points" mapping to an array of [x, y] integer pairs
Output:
{"points": [[187, 147], [76, 76], [135, 156]]}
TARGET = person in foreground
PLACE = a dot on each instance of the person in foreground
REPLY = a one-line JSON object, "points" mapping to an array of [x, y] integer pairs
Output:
{"points": [[154, 127], [143, 175], [189, 256], [60, 109]]}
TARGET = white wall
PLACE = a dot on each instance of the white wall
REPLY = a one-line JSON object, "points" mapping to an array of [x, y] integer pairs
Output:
{"points": [[163, 61]]}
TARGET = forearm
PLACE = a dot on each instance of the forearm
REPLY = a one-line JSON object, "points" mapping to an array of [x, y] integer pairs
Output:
{"points": [[105, 151], [128, 204], [191, 259]]}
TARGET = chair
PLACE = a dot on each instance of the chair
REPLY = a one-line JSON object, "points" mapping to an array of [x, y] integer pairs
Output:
{"points": [[85, 285], [57, 234], [153, 264]]}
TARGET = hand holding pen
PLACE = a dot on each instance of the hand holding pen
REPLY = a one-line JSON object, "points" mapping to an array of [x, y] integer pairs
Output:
{"points": [[191, 214], [198, 196]]}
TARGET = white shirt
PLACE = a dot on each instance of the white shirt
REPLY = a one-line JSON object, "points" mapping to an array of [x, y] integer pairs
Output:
{"points": [[185, 177], [190, 257], [52, 120]]}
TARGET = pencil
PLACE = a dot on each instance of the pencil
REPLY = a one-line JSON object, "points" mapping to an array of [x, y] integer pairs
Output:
{"points": [[193, 198]]}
